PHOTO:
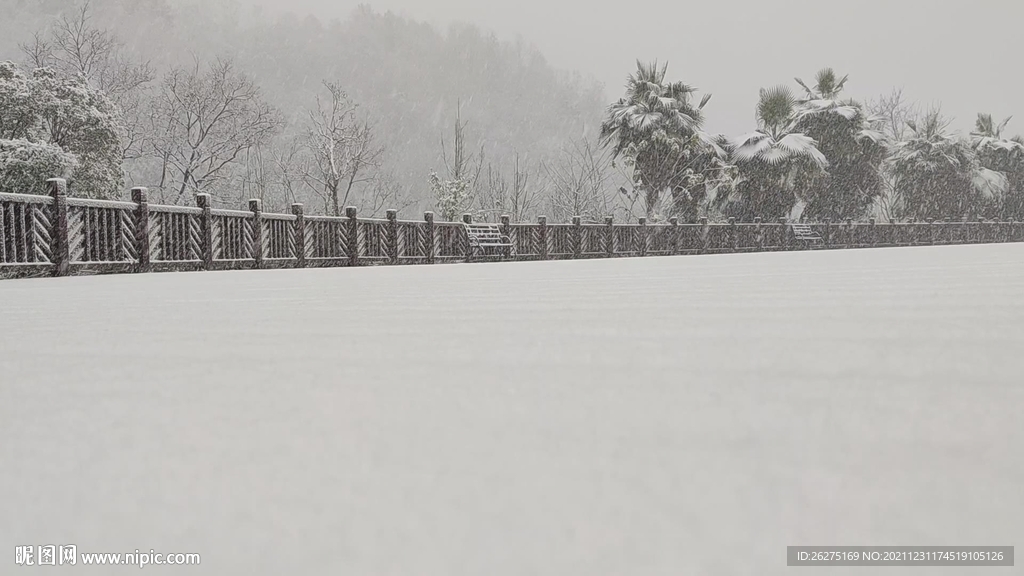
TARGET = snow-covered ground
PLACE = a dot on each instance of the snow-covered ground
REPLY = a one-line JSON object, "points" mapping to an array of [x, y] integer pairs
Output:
{"points": [[688, 415]]}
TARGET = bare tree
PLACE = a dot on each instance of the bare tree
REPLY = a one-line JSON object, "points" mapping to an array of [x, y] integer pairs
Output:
{"points": [[516, 198], [579, 181], [74, 47], [386, 193], [894, 112], [896, 115], [257, 178], [341, 148], [455, 192], [204, 121], [289, 168]]}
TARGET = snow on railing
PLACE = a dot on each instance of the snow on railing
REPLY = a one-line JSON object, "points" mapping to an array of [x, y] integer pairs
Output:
{"points": [[57, 235]]}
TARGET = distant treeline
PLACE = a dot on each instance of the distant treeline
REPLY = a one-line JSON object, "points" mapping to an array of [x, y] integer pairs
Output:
{"points": [[383, 112]]}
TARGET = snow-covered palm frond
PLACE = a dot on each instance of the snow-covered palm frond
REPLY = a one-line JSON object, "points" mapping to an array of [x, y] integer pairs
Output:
{"points": [[871, 135], [989, 183], [714, 143], [1002, 125], [816, 108], [683, 122], [986, 126], [848, 112], [983, 143], [645, 121], [669, 103], [800, 145], [810, 93], [750, 146], [763, 147], [774, 156]]}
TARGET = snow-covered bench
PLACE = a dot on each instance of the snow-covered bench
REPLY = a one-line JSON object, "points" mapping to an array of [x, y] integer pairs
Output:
{"points": [[804, 233], [483, 236]]}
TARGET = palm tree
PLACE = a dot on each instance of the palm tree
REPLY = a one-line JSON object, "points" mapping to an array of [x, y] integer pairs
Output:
{"points": [[1005, 156], [656, 128], [939, 175], [773, 161], [852, 142], [826, 85]]}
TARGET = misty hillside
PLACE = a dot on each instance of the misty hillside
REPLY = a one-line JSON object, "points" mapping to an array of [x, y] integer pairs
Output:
{"points": [[408, 78]]}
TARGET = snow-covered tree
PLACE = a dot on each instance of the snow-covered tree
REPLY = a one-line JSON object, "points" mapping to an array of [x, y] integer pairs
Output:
{"points": [[453, 197], [940, 175], [776, 163], [1005, 156], [204, 119], [80, 121], [26, 166], [75, 48], [341, 148], [455, 193], [852, 142], [516, 195], [656, 130], [579, 180]]}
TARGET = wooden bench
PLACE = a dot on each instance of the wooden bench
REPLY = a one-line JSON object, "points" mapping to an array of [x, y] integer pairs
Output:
{"points": [[803, 232], [484, 236]]}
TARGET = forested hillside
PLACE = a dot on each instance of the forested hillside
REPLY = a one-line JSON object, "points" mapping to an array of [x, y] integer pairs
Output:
{"points": [[409, 81]]}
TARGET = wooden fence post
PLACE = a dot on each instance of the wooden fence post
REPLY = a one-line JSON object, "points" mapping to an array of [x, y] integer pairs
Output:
{"points": [[758, 234], [982, 236], [467, 249], [609, 236], [256, 207], [61, 256], [931, 231], [674, 223], [506, 231], [140, 196], [828, 232], [704, 235], [784, 231], [734, 237], [299, 232], [542, 237], [872, 232], [849, 233], [429, 244], [643, 237], [354, 247], [206, 229], [392, 216]]}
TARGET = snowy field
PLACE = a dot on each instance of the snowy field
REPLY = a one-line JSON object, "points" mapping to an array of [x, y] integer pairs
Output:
{"points": [[675, 416]]}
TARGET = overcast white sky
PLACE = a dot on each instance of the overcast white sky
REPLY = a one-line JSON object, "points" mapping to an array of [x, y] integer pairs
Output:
{"points": [[964, 54]]}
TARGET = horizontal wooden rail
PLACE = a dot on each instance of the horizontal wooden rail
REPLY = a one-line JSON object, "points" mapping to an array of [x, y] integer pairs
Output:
{"points": [[56, 235]]}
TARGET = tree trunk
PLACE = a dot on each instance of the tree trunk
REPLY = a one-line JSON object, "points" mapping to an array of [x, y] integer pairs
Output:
{"points": [[651, 200], [335, 207]]}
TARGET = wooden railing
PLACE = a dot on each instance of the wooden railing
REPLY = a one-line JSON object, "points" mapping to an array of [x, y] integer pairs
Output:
{"points": [[57, 235]]}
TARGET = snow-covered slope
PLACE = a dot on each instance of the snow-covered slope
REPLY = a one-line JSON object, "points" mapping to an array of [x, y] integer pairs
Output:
{"points": [[689, 415]]}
